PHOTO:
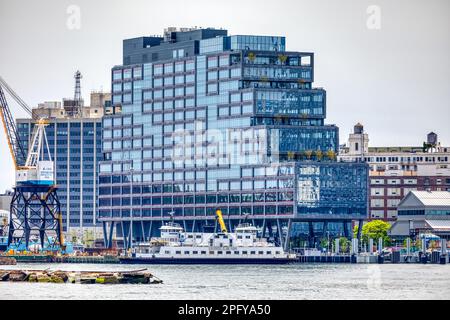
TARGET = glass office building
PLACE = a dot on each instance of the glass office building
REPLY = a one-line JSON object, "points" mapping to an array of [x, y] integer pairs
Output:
{"points": [[75, 147], [202, 121]]}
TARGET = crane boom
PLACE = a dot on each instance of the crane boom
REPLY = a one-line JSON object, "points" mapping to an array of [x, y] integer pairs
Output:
{"points": [[12, 135], [15, 96]]}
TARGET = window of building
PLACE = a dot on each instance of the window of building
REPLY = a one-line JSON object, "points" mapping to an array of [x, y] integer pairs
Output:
{"points": [[377, 191], [393, 191]]}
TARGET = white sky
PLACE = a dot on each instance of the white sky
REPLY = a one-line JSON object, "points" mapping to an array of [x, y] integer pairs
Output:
{"points": [[395, 80]]}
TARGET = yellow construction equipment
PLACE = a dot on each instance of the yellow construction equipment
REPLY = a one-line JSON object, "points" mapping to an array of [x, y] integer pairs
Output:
{"points": [[61, 231], [223, 228]]}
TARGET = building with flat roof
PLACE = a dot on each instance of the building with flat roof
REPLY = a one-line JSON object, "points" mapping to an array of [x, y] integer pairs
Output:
{"points": [[201, 120], [75, 147], [423, 212], [5, 200], [395, 171], [5, 208], [58, 110]]}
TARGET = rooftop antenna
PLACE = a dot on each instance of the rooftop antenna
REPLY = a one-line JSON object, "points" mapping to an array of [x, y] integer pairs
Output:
{"points": [[77, 97]]}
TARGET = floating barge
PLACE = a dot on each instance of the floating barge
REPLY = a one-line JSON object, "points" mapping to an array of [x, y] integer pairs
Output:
{"points": [[87, 259], [30, 258], [81, 277]]}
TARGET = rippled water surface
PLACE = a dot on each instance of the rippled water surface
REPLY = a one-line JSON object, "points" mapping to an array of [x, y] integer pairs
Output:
{"points": [[300, 281]]}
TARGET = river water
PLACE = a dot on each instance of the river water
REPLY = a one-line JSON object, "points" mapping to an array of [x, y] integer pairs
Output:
{"points": [[223, 282]]}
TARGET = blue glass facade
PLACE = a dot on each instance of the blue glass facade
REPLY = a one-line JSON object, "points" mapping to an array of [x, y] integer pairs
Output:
{"points": [[75, 147], [236, 126]]}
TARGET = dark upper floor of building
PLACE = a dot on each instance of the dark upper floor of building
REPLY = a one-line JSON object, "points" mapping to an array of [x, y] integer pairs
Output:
{"points": [[184, 42], [188, 42]]}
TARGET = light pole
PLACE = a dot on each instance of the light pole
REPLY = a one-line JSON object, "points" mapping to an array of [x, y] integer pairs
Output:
{"points": [[328, 242], [131, 210]]}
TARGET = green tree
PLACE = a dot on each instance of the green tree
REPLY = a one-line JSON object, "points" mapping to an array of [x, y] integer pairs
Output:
{"points": [[308, 154], [331, 154], [375, 230], [324, 243], [417, 244], [405, 243], [344, 244], [319, 155], [88, 238]]}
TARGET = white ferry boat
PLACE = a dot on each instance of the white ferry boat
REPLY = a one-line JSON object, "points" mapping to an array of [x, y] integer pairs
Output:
{"points": [[175, 246]]}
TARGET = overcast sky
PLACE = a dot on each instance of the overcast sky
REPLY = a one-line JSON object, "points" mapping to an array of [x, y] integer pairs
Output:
{"points": [[394, 79]]}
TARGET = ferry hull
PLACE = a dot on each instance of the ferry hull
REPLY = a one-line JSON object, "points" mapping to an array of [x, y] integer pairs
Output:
{"points": [[159, 260]]}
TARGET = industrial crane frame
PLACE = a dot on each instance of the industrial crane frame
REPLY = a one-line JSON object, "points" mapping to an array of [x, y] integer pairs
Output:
{"points": [[35, 204]]}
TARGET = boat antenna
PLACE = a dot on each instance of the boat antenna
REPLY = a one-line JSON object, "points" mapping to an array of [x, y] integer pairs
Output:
{"points": [[171, 214]]}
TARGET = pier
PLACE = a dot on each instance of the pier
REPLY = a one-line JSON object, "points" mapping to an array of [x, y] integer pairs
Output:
{"points": [[380, 256]]}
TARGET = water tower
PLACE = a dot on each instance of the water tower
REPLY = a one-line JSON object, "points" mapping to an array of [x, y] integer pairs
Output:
{"points": [[432, 138], [432, 142]]}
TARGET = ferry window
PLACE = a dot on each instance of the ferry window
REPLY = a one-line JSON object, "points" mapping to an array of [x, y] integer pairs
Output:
{"points": [[247, 237], [228, 252], [198, 236], [239, 237], [177, 252], [211, 252], [167, 252], [244, 252], [203, 252], [190, 236], [260, 252], [252, 252], [236, 252], [186, 252], [268, 252], [194, 252], [278, 252], [219, 252]]}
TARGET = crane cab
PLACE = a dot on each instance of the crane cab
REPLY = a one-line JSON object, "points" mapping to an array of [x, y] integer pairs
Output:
{"points": [[42, 174]]}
